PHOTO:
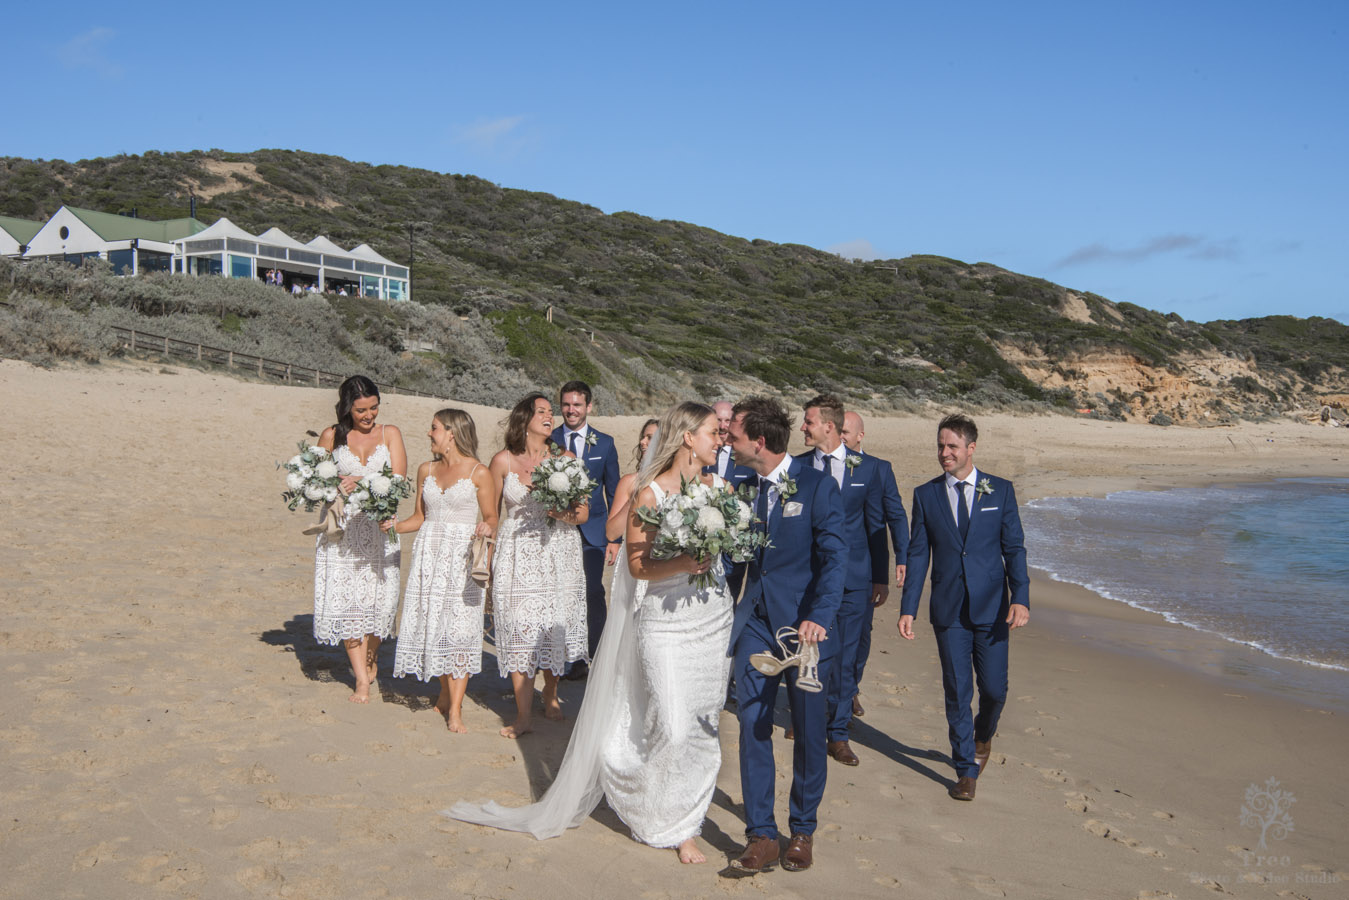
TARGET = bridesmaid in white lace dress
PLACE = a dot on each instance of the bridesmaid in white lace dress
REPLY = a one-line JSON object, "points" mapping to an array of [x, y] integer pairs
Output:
{"points": [[646, 738], [538, 583], [440, 635], [356, 577]]}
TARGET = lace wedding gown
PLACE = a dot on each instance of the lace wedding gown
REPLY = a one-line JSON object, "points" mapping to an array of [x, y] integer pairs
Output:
{"points": [[538, 587], [646, 735], [356, 576], [441, 629]]}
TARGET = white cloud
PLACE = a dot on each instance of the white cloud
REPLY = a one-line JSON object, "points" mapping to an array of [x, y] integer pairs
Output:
{"points": [[1199, 248], [497, 137], [859, 248], [86, 51]]}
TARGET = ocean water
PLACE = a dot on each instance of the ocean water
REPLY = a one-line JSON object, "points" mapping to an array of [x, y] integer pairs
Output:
{"points": [[1266, 565]]}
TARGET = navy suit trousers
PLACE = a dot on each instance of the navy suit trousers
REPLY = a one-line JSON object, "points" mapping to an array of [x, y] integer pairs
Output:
{"points": [[597, 611], [983, 648], [756, 696], [854, 619]]}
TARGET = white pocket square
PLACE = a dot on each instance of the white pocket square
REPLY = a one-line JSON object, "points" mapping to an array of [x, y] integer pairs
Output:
{"points": [[791, 509], [858, 484], [989, 508], [595, 457]]}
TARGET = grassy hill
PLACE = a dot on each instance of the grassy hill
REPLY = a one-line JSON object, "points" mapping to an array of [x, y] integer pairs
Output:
{"points": [[651, 309]]}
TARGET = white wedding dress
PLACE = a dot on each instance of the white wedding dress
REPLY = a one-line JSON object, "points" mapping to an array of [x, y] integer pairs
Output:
{"points": [[356, 576], [646, 735]]}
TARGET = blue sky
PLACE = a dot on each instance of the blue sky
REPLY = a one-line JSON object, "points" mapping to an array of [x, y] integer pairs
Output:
{"points": [[1187, 157]]}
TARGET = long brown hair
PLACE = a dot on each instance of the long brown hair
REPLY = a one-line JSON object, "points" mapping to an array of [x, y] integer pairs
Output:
{"points": [[671, 428], [353, 389], [518, 421]]}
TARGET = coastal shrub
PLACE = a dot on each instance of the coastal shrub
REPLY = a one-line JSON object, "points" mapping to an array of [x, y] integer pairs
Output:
{"points": [[44, 334]]}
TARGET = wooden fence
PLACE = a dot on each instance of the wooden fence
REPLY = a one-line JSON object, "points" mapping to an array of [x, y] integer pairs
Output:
{"points": [[134, 341]]}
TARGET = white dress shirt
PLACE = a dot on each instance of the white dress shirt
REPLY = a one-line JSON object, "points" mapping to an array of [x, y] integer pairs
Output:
{"points": [[774, 478], [953, 495], [580, 440], [836, 467]]}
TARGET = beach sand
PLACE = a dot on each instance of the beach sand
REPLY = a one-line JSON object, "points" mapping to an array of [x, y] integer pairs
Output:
{"points": [[171, 729]]}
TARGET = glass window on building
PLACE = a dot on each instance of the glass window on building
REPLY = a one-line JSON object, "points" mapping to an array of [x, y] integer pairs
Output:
{"points": [[121, 261], [370, 286], [205, 265], [241, 266], [153, 261], [397, 289]]}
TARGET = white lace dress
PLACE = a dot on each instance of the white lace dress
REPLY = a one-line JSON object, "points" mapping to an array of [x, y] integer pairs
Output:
{"points": [[441, 629], [659, 765], [538, 587], [356, 577]]}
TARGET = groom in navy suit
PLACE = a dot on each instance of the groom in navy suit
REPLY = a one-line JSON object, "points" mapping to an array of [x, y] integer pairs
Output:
{"points": [[796, 581], [967, 522], [596, 450]]}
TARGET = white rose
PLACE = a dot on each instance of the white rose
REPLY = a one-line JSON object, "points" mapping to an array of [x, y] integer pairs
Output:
{"points": [[380, 485], [313, 492], [306, 472], [326, 469], [294, 481], [683, 535], [295, 461], [358, 499], [744, 513], [710, 519], [559, 483], [318, 452], [330, 494]]}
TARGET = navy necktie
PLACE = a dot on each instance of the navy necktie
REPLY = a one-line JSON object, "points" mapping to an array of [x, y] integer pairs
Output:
{"points": [[574, 436], [829, 465], [962, 512]]}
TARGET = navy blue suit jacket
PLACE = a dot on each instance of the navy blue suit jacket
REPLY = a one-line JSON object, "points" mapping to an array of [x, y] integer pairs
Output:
{"points": [[864, 523], [892, 510], [601, 461], [735, 475], [988, 567], [800, 576]]}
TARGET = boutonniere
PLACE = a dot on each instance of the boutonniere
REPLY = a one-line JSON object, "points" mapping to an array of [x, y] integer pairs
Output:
{"points": [[984, 486], [851, 462], [787, 486], [591, 440]]}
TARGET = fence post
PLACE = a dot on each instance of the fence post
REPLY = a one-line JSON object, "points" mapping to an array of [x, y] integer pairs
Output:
{"points": [[287, 373], [199, 353], [259, 366], [166, 345], [133, 340], [230, 362], [316, 379]]}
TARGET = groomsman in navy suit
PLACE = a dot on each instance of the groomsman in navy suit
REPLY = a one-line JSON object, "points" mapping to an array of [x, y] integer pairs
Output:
{"points": [[596, 450], [866, 581], [897, 523], [798, 582], [735, 476], [967, 522]]}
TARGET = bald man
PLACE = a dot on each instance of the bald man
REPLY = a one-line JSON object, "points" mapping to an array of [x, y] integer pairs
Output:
{"points": [[896, 522]]}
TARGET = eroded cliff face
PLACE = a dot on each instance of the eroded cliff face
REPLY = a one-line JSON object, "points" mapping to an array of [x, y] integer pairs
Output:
{"points": [[1193, 389]]}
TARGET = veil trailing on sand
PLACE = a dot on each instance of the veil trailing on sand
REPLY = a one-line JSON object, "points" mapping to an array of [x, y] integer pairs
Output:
{"points": [[613, 701]]}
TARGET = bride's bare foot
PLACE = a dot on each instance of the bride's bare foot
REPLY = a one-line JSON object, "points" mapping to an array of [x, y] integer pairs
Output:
{"points": [[362, 694], [455, 724], [689, 852], [514, 731]]}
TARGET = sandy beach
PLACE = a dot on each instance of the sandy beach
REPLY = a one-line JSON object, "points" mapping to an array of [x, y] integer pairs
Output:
{"points": [[172, 729]]}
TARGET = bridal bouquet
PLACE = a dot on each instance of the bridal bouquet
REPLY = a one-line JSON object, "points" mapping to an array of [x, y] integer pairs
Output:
{"points": [[311, 478], [703, 522], [377, 496], [559, 483]]}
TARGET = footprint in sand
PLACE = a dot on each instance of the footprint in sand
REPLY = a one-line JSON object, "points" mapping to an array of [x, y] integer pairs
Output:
{"points": [[1034, 731], [981, 883], [886, 881]]}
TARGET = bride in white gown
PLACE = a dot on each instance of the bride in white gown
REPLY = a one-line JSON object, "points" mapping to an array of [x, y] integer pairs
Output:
{"points": [[646, 735]]}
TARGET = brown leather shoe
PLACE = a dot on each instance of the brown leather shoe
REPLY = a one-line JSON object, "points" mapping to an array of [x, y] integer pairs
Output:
{"points": [[790, 733], [857, 709], [981, 751], [761, 853], [798, 857], [963, 789], [840, 751]]}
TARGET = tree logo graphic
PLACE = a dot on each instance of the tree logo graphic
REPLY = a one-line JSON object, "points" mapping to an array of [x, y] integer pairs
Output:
{"points": [[1266, 808]]}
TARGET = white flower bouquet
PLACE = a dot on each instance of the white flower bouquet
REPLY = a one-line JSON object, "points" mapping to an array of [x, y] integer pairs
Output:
{"points": [[560, 482], [378, 495], [703, 522], [311, 478]]}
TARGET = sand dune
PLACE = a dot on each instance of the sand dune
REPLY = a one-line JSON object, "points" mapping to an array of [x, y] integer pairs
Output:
{"points": [[171, 729]]}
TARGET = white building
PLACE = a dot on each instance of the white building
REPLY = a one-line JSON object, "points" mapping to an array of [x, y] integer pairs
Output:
{"points": [[190, 247]]}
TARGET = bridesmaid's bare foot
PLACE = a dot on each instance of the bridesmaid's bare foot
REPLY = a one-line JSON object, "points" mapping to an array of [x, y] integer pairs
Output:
{"points": [[514, 731], [372, 671], [455, 723], [551, 708], [689, 852], [362, 694]]}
